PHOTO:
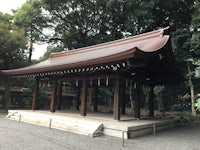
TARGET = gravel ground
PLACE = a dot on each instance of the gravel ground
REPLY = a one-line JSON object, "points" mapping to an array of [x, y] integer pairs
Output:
{"points": [[22, 136]]}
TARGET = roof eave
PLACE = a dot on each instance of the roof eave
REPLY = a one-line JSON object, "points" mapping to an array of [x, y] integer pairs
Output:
{"points": [[91, 63]]}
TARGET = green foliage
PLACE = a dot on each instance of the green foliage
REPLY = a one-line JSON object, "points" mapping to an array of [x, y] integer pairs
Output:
{"points": [[158, 89], [181, 44], [195, 44], [28, 95], [82, 23], [13, 44], [5, 18], [49, 51], [44, 98], [30, 18], [197, 104], [106, 95], [77, 23]]}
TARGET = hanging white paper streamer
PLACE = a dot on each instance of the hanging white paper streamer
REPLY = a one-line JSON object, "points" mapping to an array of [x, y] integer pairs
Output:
{"points": [[99, 81], [76, 83], [107, 81], [91, 82]]}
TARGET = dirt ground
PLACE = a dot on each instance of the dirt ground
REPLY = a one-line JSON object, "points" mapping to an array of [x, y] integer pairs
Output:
{"points": [[21, 136]]}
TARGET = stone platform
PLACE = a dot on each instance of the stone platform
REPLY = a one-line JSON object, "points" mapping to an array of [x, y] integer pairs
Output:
{"points": [[94, 124]]}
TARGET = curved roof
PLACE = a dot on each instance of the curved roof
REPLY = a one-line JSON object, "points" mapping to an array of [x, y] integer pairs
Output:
{"points": [[100, 55]]}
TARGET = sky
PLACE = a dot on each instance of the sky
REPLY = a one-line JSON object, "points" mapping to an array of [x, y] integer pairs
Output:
{"points": [[6, 6]]}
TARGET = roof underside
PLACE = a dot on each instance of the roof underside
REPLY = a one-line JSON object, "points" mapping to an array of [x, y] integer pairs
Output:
{"points": [[143, 57]]}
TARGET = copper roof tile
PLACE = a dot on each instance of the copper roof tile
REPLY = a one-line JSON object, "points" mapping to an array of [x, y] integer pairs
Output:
{"points": [[97, 54]]}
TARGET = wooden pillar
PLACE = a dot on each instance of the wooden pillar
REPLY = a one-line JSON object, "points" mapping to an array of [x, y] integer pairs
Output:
{"points": [[84, 98], [35, 94], [137, 100], [95, 98], [53, 96], [117, 99], [123, 98], [151, 102], [60, 95]]}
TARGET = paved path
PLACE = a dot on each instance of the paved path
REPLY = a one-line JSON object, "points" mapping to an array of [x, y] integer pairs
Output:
{"points": [[22, 136]]}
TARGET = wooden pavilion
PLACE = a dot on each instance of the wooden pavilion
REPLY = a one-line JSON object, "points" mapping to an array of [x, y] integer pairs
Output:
{"points": [[16, 95], [143, 59]]}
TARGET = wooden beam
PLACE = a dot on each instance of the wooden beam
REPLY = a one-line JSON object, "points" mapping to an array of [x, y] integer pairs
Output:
{"points": [[53, 96], [94, 77], [35, 94], [123, 98], [84, 98], [117, 99], [151, 102]]}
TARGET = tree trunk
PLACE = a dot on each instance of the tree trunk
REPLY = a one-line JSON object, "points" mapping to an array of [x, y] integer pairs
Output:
{"points": [[191, 92], [30, 46]]}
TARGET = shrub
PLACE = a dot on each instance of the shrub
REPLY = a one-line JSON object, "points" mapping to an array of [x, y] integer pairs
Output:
{"points": [[197, 104]]}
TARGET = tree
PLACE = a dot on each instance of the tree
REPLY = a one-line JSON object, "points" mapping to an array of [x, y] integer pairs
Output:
{"points": [[184, 55], [187, 49], [195, 44], [82, 23], [195, 54], [76, 22], [50, 49], [195, 47], [12, 49], [13, 45], [31, 18]]}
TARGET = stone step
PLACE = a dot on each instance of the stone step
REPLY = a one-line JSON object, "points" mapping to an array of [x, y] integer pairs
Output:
{"points": [[92, 126], [81, 126]]}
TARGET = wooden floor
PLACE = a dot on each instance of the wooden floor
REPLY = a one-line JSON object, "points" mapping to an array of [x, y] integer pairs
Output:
{"points": [[94, 124]]}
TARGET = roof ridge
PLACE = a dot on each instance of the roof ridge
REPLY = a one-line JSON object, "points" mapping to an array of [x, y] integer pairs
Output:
{"points": [[154, 33]]}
